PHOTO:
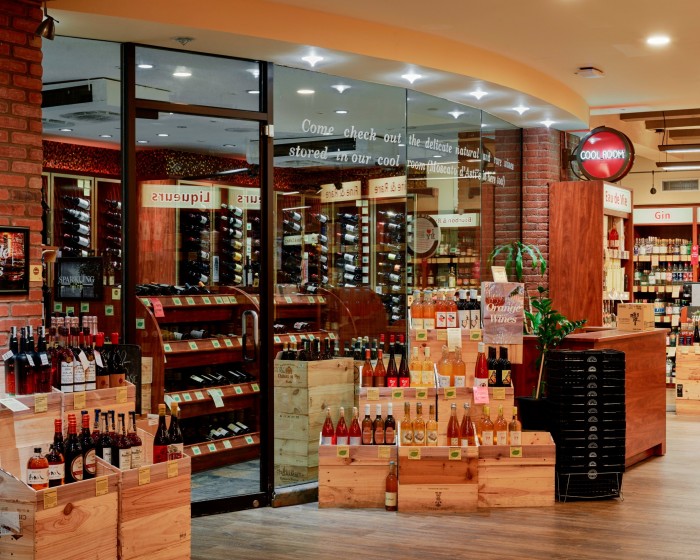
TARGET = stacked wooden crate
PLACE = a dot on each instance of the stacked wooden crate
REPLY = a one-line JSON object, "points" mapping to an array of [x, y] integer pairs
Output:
{"points": [[498, 396], [688, 381], [303, 391], [120, 399]]}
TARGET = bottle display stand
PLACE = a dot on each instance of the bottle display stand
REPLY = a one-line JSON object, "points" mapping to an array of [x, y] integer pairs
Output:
{"points": [[78, 520], [688, 381], [353, 476], [397, 396], [460, 395], [303, 391]]}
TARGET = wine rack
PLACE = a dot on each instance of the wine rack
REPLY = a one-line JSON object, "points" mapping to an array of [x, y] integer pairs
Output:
{"points": [[73, 227], [391, 263], [110, 239], [196, 247], [351, 257]]}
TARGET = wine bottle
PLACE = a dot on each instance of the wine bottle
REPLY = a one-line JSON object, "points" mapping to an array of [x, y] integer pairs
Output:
{"points": [[328, 431], [355, 432], [77, 214], [9, 359], [76, 201], [43, 379], [453, 434], [75, 227], [504, 367], [392, 372], [500, 428], [486, 427], [481, 369], [73, 453], [515, 429], [431, 427], [77, 239], [88, 446], [342, 436], [116, 204], [406, 425], [234, 210], [492, 362], [161, 440], [390, 425], [78, 369], [38, 471], [57, 467], [367, 438], [419, 435], [378, 426], [123, 446], [466, 429], [293, 214], [392, 488], [135, 442], [104, 443], [176, 447], [23, 378]]}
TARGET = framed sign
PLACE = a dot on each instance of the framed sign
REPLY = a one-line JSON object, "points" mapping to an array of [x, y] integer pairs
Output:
{"points": [[14, 260], [79, 279], [426, 237], [604, 153]]}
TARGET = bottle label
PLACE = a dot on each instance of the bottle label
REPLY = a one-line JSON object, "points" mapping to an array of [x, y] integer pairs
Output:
{"points": [[444, 380], [37, 476], [392, 381], [390, 499], [379, 436], [475, 318], [487, 437], [76, 468], [460, 380], [432, 437], [428, 378], [516, 438], [417, 324], [90, 372], [160, 453], [441, 320], [136, 456], [429, 324], [505, 376], [177, 450], [416, 378], [78, 373], [502, 438], [124, 459], [404, 381], [464, 442], [89, 464], [419, 436], [326, 440], [464, 320], [107, 455], [374, 363], [454, 442], [117, 380], [389, 436], [451, 319], [356, 440], [367, 435], [342, 440], [493, 374], [8, 355], [57, 471], [66, 373], [407, 437]]}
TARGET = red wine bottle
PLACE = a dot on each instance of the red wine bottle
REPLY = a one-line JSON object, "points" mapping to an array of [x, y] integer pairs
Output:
{"points": [[161, 440], [176, 442], [74, 453], [88, 445]]}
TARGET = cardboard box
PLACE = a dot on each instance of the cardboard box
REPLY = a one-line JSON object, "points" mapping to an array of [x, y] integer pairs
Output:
{"points": [[635, 317]]}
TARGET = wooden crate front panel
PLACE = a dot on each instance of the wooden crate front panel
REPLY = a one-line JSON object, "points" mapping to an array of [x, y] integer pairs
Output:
{"points": [[26, 428], [687, 363], [104, 399], [461, 395], [297, 453], [436, 467], [299, 427], [687, 389], [687, 408], [314, 400], [290, 373], [437, 498], [359, 455], [293, 474], [396, 396]]}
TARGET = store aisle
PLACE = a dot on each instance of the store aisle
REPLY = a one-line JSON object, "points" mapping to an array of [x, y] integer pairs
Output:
{"points": [[658, 519]]}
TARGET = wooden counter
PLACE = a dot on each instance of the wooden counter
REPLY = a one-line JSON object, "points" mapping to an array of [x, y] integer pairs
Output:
{"points": [[645, 357]]}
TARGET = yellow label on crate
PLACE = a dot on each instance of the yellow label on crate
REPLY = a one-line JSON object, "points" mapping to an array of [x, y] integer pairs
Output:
{"points": [[79, 400], [189, 300], [384, 451], [84, 307], [455, 454], [172, 469], [421, 394], [193, 345], [414, 453], [41, 403], [499, 393], [516, 452], [372, 393], [144, 475], [397, 394], [475, 335], [342, 451], [116, 294], [50, 498], [450, 393], [122, 395], [70, 310], [442, 335], [421, 335], [101, 485], [58, 307], [109, 310]]}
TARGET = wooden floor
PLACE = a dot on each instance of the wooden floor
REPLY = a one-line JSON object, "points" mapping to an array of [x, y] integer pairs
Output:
{"points": [[659, 518]]}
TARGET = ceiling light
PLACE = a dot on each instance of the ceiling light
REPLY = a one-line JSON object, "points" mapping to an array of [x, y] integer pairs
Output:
{"points": [[411, 77], [679, 148], [182, 72], [402, 145], [478, 94], [437, 155], [520, 109], [312, 59], [589, 72], [658, 40], [105, 135], [65, 130], [142, 141], [47, 28], [340, 88], [253, 91], [254, 71], [305, 91], [548, 123], [145, 66], [341, 112], [163, 134], [678, 165], [290, 192], [456, 114], [229, 145]]}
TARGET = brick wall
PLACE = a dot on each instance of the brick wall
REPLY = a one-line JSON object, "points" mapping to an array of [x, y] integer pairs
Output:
{"points": [[20, 147]]}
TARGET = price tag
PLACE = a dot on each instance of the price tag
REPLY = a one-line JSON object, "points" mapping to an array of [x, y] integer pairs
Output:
{"points": [[101, 485], [225, 299], [421, 394], [218, 299], [227, 444], [655, 260], [450, 393], [157, 307], [228, 343], [198, 395], [206, 300], [50, 498], [215, 343], [288, 299], [140, 324], [167, 348], [122, 395], [41, 403], [255, 387], [70, 310], [216, 397], [311, 299], [58, 307], [84, 307], [675, 320], [7, 355], [144, 475], [177, 301], [292, 338], [342, 451], [321, 299], [196, 450], [172, 469], [13, 404], [414, 453], [116, 294], [277, 339], [499, 393], [238, 390], [331, 336], [79, 400], [109, 310], [146, 301], [481, 395], [421, 335], [249, 440], [384, 451], [211, 447], [312, 337], [397, 394], [176, 397], [30, 360], [193, 345], [454, 338], [516, 452], [232, 299], [475, 335], [44, 358], [189, 300], [372, 393], [442, 335], [83, 360], [455, 454]]}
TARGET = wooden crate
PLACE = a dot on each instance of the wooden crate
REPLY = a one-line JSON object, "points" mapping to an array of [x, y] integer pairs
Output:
{"points": [[688, 363], [119, 399], [353, 476], [396, 396], [21, 431], [519, 476], [437, 498], [292, 474], [78, 520], [687, 381], [460, 395]]}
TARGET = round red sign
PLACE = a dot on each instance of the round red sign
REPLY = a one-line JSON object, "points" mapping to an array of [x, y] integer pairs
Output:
{"points": [[605, 153]]}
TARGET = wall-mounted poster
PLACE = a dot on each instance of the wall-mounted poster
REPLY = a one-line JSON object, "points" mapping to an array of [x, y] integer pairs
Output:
{"points": [[14, 260], [503, 312], [79, 278]]}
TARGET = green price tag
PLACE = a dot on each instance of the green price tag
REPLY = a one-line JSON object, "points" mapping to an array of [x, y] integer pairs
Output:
{"points": [[177, 301], [450, 393], [189, 300], [206, 300], [140, 324], [311, 337], [288, 299], [58, 307], [196, 450], [216, 344], [249, 440], [109, 310], [278, 340], [516, 452], [70, 310], [311, 299], [255, 387], [455, 454], [84, 307], [226, 299], [167, 348], [227, 444], [397, 394], [193, 345], [414, 453], [187, 397], [292, 338], [219, 299], [238, 390], [421, 394], [211, 447], [232, 299], [331, 336], [342, 451], [228, 343], [177, 398], [199, 395], [146, 301]]}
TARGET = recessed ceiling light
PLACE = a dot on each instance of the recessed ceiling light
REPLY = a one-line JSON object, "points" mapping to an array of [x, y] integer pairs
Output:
{"points": [[589, 72], [456, 114], [145, 66], [142, 141], [312, 59], [437, 155], [340, 88], [105, 135], [341, 111], [163, 134], [253, 91], [402, 145], [411, 77], [548, 123], [478, 94], [520, 109], [658, 40], [65, 130], [229, 145], [305, 91], [182, 72]]}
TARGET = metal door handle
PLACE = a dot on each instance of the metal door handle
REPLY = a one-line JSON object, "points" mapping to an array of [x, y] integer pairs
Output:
{"points": [[244, 334]]}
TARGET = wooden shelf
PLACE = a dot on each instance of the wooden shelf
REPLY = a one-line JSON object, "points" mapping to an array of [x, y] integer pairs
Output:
{"points": [[663, 257], [194, 353], [452, 259], [665, 289], [200, 402], [281, 339], [223, 451]]}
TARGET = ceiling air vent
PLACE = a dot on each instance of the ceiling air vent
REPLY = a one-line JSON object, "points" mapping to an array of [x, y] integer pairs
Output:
{"points": [[680, 185]]}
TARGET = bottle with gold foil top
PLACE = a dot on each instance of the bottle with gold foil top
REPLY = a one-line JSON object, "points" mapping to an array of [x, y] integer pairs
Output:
{"points": [[378, 426], [406, 425], [419, 426], [38, 470]]}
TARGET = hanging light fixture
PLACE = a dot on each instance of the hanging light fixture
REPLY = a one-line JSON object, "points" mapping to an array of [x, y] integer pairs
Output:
{"points": [[47, 28]]}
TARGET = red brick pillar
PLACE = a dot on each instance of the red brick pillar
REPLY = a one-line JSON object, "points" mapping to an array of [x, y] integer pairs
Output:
{"points": [[20, 147]]}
